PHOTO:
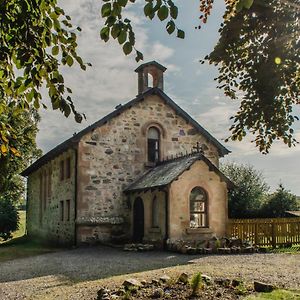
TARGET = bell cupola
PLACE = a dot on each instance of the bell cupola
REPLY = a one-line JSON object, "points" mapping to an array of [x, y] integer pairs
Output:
{"points": [[150, 75]]}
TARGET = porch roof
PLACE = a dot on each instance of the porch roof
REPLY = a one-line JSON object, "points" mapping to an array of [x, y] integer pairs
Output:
{"points": [[168, 171]]}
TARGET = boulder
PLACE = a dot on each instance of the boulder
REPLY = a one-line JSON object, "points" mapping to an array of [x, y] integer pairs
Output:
{"points": [[191, 250], [262, 287], [165, 278], [234, 242], [183, 278], [208, 250], [225, 282], [207, 279], [103, 294], [131, 283], [236, 282], [224, 250], [157, 293]]}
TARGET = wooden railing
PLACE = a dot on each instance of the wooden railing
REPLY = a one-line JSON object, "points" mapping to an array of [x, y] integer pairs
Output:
{"points": [[266, 232]]}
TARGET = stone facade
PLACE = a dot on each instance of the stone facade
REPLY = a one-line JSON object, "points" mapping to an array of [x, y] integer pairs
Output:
{"points": [[106, 159], [115, 154], [51, 201]]}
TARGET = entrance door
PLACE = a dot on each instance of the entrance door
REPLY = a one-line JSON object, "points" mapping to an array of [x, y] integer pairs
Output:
{"points": [[138, 220]]}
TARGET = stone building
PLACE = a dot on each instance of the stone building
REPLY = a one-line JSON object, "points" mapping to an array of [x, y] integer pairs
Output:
{"points": [[145, 172]]}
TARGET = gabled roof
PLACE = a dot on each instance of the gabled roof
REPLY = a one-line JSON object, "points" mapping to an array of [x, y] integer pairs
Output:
{"points": [[150, 63], [166, 172], [73, 141]]}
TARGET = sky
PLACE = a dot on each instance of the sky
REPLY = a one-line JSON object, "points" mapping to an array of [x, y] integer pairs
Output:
{"points": [[111, 80]]}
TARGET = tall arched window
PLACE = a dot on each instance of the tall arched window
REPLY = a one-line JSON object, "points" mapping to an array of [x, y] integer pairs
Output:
{"points": [[155, 218], [153, 144], [198, 208]]}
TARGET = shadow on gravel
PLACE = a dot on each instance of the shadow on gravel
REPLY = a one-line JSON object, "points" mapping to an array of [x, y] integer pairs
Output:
{"points": [[89, 264]]}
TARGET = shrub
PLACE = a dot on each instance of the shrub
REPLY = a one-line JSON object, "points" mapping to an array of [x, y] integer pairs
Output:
{"points": [[196, 283], [9, 219]]}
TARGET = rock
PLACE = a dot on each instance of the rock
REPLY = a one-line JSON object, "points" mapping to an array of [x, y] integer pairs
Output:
{"points": [[164, 278], [263, 287], [131, 283], [208, 250], [191, 251], [262, 250], [235, 250], [199, 250], [225, 282], [248, 249], [103, 294], [158, 293], [207, 279], [184, 278], [155, 282], [236, 282], [224, 250], [234, 242]]}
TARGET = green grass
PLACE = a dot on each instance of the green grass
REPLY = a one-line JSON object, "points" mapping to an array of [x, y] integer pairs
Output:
{"points": [[20, 245], [276, 295]]}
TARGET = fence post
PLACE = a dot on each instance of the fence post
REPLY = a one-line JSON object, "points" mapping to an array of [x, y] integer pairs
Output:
{"points": [[256, 234], [273, 235]]}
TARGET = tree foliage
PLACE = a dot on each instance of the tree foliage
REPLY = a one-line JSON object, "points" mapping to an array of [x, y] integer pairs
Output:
{"points": [[249, 193], [36, 37], [257, 56], [8, 218], [279, 202], [258, 61], [15, 161]]}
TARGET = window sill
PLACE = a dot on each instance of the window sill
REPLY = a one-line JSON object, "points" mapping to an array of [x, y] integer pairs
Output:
{"points": [[198, 230], [154, 230]]}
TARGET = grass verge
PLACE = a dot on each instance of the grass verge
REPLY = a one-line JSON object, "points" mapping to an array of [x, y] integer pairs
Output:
{"points": [[276, 295]]}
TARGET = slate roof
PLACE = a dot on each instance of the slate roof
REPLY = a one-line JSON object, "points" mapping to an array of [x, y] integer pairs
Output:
{"points": [[151, 63], [168, 171], [73, 141]]}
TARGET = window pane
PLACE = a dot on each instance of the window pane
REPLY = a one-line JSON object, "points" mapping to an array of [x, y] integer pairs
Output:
{"points": [[153, 133], [198, 208]]}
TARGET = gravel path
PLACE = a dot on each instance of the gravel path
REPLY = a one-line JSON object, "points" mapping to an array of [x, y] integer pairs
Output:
{"points": [[78, 273]]}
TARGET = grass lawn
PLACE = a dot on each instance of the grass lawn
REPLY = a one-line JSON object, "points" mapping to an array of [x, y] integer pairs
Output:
{"points": [[276, 295], [20, 245]]}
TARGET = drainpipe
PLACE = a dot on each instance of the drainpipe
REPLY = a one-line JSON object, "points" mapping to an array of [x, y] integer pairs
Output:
{"points": [[166, 217], [75, 196]]}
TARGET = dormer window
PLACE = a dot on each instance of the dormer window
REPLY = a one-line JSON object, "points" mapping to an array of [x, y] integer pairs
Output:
{"points": [[153, 138]]}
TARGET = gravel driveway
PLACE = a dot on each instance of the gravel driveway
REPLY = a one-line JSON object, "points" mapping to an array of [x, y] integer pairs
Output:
{"points": [[78, 273]]}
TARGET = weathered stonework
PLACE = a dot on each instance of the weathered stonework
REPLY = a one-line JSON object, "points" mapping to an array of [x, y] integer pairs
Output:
{"points": [[45, 222]]}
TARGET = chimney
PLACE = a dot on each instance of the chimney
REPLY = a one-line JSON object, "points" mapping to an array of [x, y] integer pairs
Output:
{"points": [[148, 70]]}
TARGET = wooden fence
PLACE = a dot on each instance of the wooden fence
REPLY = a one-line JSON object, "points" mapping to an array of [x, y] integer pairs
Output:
{"points": [[266, 232]]}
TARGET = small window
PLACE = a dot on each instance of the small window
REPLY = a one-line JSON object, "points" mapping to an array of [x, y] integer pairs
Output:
{"points": [[68, 167], [155, 216], [62, 173], [153, 144], [62, 213], [198, 208], [68, 204]]}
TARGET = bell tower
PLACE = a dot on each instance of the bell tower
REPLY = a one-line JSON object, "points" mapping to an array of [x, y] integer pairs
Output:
{"points": [[151, 71]]}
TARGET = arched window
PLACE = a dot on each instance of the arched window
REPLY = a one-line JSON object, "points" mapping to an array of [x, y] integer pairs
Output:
{"points": [[153, 144], [198, 208], [155, 218]]}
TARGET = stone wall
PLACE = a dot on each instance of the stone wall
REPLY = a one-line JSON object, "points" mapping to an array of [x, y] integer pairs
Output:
{"points": [[198, 175], [114, 155], [44, 207]]}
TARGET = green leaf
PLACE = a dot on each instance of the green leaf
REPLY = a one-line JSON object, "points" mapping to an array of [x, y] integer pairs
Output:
{"points": [[180, 34], [174, 12], [69, 60], [148, 9], [55, 50], [104, 34], [170, 27], [239, 6], [127, 48], [163, 13], [123, 2], [248, 3], [122, 37], [115, 31], [106, 10]]}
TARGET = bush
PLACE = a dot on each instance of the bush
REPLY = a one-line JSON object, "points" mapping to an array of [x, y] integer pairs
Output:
{"points": [[9, 219]]}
